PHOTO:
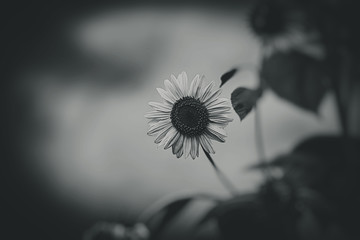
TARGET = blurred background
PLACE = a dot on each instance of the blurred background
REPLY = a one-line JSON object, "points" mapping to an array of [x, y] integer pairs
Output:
{"points": [[80, 76]]}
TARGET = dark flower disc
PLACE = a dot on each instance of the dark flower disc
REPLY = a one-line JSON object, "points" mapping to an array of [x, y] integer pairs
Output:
{"points": [[189, 116]]}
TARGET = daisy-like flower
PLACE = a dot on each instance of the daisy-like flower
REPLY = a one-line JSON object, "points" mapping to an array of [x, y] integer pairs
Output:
{"points": [[189, 116]]}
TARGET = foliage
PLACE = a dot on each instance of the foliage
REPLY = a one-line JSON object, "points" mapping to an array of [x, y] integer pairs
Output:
{"points": [[243, 100], [296, 77]]}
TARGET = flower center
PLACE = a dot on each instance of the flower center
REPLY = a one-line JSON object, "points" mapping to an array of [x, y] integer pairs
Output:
{"points": [[189, 116]]}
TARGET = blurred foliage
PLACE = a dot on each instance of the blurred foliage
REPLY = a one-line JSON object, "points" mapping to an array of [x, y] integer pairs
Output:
{"points": [[324, 170], [227, 76], [243, 100], [296, 77], [116, 231]]}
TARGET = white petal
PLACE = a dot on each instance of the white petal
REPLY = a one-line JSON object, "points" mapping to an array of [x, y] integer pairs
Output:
{"points": [[170, 94], [214, 129], [223, 106], [165, 95], [206, 144], [218, 111], [158, 115], [214, 135], [153, 121], [176, 147], [198, 90], [162, 134], [171, 88], [155, 128], [212, 96], [197, 146], [187, 146], [212, 103], [160, 106], [220, 124], [172, 139], [206, 92], [169, 135], [157, 119], [217, 101], [185, 83], [193, 147], [176, 84], [220, 119], [194, 86], [180, 83], [180, 153]]}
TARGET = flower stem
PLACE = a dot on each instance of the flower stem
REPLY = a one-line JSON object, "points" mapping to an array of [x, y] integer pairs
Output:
{"points": [[260, 148], [222, 177]]}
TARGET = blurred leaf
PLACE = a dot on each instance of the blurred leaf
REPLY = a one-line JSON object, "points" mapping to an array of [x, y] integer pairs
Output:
{"points": [[268, 18], [243, 100], [225, 206], [170, 212], [106, 231], [116, 231], [227, 76], [138, 232], [254, 216], [297, 78], [325, 170], [314, 161]]}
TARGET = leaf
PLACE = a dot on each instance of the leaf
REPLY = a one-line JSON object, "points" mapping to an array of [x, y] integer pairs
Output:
{"points": [[327, 167], [243, 100], [227, 76], [225, 206], [170, 211], [251, 216], [297, 78]]}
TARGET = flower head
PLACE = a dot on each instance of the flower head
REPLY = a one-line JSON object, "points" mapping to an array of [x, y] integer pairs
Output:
{"points": [[189, 116]]}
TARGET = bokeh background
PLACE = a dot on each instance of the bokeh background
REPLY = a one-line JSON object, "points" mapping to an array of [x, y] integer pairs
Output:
{"points": [[80, 77]]}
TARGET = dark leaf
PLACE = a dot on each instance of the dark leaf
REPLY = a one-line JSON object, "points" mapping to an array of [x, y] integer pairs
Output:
{"points": [[333, 173], [253, 216], [268, 19], [227, 76], [327, 167], [243, 100], [225, 206], [170, 212], [297, 78]]}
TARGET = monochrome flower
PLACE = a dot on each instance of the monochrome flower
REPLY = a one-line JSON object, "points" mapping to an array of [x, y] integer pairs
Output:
{"points": [[189, 116]]}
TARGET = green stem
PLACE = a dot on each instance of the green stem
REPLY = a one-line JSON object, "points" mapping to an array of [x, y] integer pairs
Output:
{"points": [[259, 143], [222, 177]]}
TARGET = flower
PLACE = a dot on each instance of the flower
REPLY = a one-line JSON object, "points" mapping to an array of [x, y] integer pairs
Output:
{"points": [[189, 116]]}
